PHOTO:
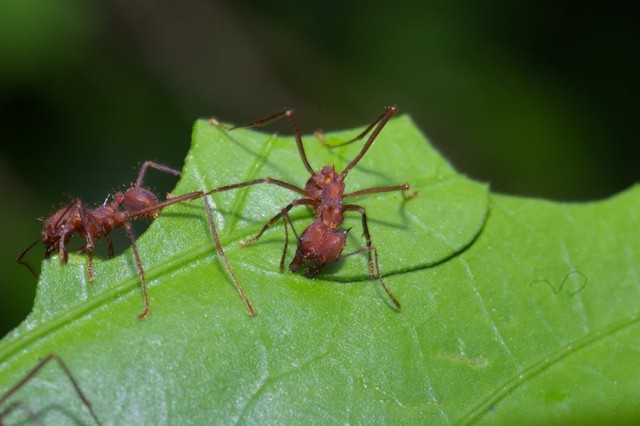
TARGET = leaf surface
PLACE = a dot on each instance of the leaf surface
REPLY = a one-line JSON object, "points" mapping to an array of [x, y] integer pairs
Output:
{"points": [[512, 308]]}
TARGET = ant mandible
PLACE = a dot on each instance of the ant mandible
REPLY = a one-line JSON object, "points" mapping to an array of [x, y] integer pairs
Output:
{"points": [[29, 376], [93, 224], [322, 243]]}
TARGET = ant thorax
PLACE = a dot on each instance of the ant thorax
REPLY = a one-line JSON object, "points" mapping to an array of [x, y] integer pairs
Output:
{"points": [[327, 185]]}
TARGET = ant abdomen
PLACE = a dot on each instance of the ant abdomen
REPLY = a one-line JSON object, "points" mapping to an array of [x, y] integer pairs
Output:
{"points": [[138, 199], [318, 246]]}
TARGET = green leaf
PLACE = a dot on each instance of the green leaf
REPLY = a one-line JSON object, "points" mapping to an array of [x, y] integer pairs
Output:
{"points": [[512, 308]]}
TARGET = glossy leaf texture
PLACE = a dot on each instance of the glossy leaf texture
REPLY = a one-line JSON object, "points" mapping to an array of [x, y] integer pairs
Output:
{"points": [[513, 309]]}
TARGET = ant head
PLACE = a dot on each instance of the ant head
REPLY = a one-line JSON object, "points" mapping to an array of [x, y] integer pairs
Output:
{"points": [[328, 174], [54, 226], [137, 199]]}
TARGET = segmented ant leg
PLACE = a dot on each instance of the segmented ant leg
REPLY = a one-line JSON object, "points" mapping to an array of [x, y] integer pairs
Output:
{"points": [[276, 218], [214, 233], [323, 140], [374, 267], [109, 246], [365, 232], [85, 218], [368, 191], [382, 121], [156, 166], [223, 257], [360, 250], [267, 180], [143, 280], [62, 250], [159, 206], [40, 366], [287, 219], [64, 257], [290, 115], [384, 285], [20, 258], [257, 123]]}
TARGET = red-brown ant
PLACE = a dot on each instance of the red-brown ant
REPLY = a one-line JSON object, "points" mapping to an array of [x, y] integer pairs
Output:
{"points": [[30, 375], [322, 243], [136, 202]]}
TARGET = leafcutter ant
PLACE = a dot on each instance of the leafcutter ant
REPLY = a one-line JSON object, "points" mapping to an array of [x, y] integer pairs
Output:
{"points": [[322, 243], [19, 405], [92, 224]]}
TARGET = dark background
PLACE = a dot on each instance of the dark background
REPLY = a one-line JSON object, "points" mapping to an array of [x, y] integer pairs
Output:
{"points": [[538, 97]]}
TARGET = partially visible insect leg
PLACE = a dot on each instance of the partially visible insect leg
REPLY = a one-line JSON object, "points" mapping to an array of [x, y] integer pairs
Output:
{"points": [[259, 123], [85, 218], [268, 180], [404, 188], [143, 280], [223, 257], [374, 266], [40, 366], [274, 219], [287, 218], [156, 166], [168, 202], [109, 246], [64, 257]]}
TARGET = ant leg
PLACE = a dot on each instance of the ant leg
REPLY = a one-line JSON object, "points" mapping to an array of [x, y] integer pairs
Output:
{"points": [[40, 366], [223, 257], [85, 218], [156, 166], [64, 257], [323, 140], [143, 280], [261, 122], [287, 218], [374, 266], [382, 121], [384, 285], [404, 188], [268, 180], [274, 219], [360, 250], [199, 194], [290, 115], [159, 206], [22, 254], [109, 245], [174, 200]]}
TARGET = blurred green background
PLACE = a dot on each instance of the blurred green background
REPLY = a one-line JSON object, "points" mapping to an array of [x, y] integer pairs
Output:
{"points": [[538, 97]]}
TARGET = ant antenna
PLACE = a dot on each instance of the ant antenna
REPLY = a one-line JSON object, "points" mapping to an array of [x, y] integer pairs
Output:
{"points": [[382, 120]]}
